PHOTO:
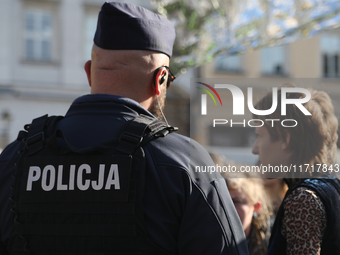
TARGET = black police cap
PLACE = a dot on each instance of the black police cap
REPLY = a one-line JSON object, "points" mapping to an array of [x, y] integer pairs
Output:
{"points": [[123, 26]]}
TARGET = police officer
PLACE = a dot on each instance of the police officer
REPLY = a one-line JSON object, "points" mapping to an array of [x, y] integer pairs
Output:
{"points": [[92, 183]]}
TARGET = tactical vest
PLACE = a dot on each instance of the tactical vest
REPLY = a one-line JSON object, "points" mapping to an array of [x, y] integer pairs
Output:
{"points": [[328, 189], [70, 200]]}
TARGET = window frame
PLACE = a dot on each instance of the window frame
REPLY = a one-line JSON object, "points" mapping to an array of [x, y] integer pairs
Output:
{"points": [[284, 64], [331, 67], [39, 35], [237, 70]]}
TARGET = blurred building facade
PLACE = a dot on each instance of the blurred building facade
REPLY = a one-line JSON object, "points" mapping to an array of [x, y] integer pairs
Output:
{"points": [[44, 45], [309, 62]]}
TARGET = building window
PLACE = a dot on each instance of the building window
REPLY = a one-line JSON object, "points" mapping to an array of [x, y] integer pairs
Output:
{"points": [[273, 60], [330, 49], [225, 63], [90, 29], [38, 35], [5, 124]]}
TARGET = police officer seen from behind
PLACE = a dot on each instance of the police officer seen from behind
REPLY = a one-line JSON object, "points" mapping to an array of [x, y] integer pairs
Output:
{"points": [[109, 177]]}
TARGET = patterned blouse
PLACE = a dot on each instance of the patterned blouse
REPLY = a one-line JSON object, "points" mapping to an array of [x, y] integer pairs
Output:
{"points": [[304, 222]]}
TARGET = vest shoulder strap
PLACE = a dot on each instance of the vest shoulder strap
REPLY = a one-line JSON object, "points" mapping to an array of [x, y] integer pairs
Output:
{"points": [[35, 133], [138, 132]]}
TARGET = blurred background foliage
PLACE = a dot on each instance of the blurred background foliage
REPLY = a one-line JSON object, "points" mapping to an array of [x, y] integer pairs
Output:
{"points": [[206, 28]]}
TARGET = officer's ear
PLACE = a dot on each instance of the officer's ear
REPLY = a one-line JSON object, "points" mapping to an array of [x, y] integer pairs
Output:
{"points": [[159, 80], [87, 68]]}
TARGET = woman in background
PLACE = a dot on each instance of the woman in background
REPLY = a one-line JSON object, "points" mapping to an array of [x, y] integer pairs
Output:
{"points": [[254, 210], [307, 221]]}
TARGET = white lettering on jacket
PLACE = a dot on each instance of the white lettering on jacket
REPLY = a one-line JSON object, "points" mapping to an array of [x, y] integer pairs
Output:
{"points": [[51, 177]]}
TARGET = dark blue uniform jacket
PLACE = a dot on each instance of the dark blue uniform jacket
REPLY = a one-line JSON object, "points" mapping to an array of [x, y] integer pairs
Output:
{"points": [[186, 212]]}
